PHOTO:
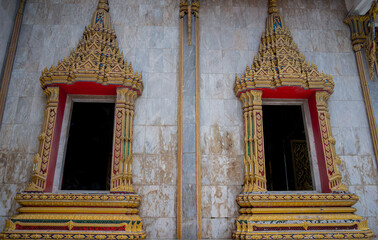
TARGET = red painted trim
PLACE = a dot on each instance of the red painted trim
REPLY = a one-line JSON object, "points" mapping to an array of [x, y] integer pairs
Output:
{"points": [[92, 88], [324, 180], [90, 228], [56, 138], [80, 88], [294, 92], [296, 228], [36, 228], [288, 92], [83, 206], [66, 228]]}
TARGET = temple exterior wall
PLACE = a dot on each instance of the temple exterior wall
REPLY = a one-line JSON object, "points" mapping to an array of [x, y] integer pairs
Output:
{"points": [[147, 31]]}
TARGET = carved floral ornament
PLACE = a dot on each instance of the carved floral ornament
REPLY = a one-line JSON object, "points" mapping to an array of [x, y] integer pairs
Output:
{"points": [[279, 63], [363, 36], [189, 7]]}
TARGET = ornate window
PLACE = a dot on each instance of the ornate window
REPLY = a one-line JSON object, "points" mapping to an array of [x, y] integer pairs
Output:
{"points": [[94, 68], [280, 71]]}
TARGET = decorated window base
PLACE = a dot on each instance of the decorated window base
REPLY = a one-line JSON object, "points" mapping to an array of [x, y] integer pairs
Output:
{"points": [[299, 216], [75, 216]]}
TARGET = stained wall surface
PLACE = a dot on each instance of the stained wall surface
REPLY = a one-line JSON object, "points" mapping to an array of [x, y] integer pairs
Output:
{"points": [[147, 31], [7, 15]]}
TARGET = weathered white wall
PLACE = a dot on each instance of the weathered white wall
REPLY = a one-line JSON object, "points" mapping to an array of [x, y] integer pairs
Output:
{"points": [[358, 7], [147, 31], [148, 35], [8, 10]]}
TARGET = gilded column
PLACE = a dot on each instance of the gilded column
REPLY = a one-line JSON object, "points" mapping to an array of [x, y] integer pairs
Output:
{"points": [[254, 159], [179, 130], [198, 132], [330, 156], [189, 153], [10, 57], [121, 180], [41, 159], [359, 33]]}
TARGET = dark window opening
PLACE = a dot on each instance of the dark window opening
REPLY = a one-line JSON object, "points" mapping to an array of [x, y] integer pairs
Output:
{"points": [[89, 147], [286, 152]]}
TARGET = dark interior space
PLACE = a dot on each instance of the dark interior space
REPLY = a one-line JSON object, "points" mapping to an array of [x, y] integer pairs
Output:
{"points": [[286, 152], [89, 147]]}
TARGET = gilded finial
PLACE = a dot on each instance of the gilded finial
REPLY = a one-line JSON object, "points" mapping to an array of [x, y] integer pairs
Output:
{"points": [[101, 17], [273, 7], [103, 4]]}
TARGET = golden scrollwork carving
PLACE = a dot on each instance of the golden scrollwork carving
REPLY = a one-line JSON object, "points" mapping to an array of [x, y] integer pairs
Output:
{"points": [[9, 225], [96, 58], [123, 139], [48, 214], [301, 165], [359, 28], [189, 7], [294, 216], [331, 158], [41, 159], [21, 7], [279, 62], [363, 36], [254, 162]]}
